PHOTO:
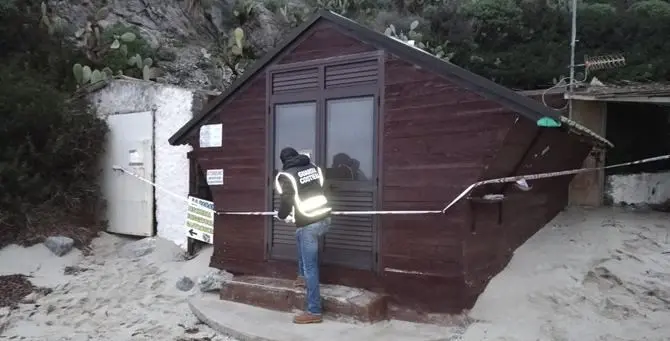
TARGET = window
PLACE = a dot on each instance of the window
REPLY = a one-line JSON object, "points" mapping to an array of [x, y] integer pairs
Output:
{"points": [[350, 139], [295, 126]]}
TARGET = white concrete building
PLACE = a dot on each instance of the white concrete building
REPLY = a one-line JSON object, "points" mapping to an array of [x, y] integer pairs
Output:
{"points": [[142, 116]]}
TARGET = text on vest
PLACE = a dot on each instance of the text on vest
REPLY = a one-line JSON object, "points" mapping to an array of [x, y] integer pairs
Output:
{"points": [[307, 175]]}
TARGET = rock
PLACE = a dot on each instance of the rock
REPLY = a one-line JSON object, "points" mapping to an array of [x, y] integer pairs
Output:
{"points": [[138, 248], [213, 281], [59, 245], [161, 250], [166, 54], [185, 284], [74, 270]]}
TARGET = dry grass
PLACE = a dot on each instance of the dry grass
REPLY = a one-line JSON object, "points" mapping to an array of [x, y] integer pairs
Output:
{"points": [[13, 288]]}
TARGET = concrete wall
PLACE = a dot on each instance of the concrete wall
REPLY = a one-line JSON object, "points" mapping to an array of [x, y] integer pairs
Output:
{"points": [[638, 189], [586, 189], [174, 108]]}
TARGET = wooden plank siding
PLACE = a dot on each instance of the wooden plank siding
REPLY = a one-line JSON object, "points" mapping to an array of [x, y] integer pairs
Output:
{"points": [[436, 138], [323, 41], [239, 239], [501, 228]]}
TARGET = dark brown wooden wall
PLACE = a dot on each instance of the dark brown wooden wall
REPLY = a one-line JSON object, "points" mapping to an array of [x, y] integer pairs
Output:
{"points": [[239, 240], [323, 41], [501, 228], [437, 137]]}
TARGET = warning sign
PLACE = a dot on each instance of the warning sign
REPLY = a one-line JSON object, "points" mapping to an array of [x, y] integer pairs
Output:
{"points": [[200, 219]]}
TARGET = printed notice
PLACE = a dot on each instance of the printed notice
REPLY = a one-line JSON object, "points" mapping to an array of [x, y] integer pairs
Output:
{"points": [[200, 220], [215, 177], [134, 158], [211, 135]]}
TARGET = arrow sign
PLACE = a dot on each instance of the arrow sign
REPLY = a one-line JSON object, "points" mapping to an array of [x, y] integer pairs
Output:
{"points": [[200, 220]]}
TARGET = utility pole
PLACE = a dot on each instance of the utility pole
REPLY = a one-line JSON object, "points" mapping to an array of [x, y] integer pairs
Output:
{"points": [[573, 43]]}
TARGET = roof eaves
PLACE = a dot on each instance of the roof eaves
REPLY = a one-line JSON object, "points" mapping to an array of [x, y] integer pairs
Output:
{"points": [[582, 130]]}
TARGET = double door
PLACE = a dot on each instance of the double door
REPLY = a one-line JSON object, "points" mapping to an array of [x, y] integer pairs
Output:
{"points": [[339, 136]]}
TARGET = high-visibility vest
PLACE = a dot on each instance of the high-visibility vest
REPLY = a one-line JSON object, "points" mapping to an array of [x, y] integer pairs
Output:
{"points": [[308, 195]]}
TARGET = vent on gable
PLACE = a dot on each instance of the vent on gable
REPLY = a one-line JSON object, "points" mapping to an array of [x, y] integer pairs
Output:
{"points": [[358, 73], [293, 81]]}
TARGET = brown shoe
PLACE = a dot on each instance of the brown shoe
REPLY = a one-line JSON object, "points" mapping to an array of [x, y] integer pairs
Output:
{"points": [[299, 282], [306, 318]]}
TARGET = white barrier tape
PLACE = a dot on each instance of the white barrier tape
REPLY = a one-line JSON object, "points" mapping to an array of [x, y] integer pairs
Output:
{"points": [[548, 175], [123, 170], [410, 212], [264, 213]]}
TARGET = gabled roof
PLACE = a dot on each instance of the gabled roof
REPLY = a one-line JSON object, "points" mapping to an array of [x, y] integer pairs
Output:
{"points": [[523, 105]]}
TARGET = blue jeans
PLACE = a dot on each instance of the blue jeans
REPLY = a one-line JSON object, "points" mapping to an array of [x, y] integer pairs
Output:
{"points": [[307, 241]]}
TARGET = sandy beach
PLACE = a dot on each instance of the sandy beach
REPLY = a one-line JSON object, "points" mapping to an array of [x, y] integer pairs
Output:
{"points": [[588, 275], [124, 290]]}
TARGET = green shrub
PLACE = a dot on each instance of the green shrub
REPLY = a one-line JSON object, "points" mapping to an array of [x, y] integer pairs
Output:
{"points": [[116, 60], [50, 145]]}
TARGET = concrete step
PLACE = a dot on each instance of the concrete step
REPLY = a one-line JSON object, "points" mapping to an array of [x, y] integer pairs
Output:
{"points": [[247, 323], [279, 294]]}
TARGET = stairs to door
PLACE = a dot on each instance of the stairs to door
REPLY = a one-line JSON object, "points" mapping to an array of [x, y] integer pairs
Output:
{"points": [[279, 294]]}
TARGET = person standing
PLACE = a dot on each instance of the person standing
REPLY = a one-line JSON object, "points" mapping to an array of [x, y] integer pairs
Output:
{"points": [[303, 202]]}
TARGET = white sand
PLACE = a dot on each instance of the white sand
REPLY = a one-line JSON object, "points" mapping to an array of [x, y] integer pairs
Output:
{"points": [[588, 275], [121, 296]]}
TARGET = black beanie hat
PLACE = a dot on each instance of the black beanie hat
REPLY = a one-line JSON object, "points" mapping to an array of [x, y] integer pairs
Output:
{"points": [[287, 153]]}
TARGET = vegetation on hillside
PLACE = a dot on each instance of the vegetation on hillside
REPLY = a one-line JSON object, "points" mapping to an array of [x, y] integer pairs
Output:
{"points": [[50, 143], [524, 44]]}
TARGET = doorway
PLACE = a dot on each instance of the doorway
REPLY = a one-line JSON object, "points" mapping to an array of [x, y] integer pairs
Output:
{"points": [[339, 135], [130, 204]]}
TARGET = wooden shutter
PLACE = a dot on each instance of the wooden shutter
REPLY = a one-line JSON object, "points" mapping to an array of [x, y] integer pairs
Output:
{"points": [[352, 74], [350, 241], [283, 235], [295, 81]]}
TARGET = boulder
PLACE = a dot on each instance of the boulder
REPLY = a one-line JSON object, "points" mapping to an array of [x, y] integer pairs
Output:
{"points": [[185, 284], [59, 245], [213, 281]]}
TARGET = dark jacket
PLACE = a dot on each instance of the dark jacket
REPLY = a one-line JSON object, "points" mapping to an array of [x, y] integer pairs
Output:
{"points": [[310, 204]]}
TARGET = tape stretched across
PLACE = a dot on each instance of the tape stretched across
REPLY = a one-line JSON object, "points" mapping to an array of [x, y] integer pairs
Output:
{"points": [[548, 175], [411, 212]]}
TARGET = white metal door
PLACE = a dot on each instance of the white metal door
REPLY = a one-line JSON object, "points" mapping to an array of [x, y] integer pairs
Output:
{"points": [[130, 202]]}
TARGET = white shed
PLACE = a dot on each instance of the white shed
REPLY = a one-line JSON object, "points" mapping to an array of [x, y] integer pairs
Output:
{"points": [[142, 116]]}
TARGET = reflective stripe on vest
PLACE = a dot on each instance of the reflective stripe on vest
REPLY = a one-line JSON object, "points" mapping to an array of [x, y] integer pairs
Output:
{"points": [[310, 207]]}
